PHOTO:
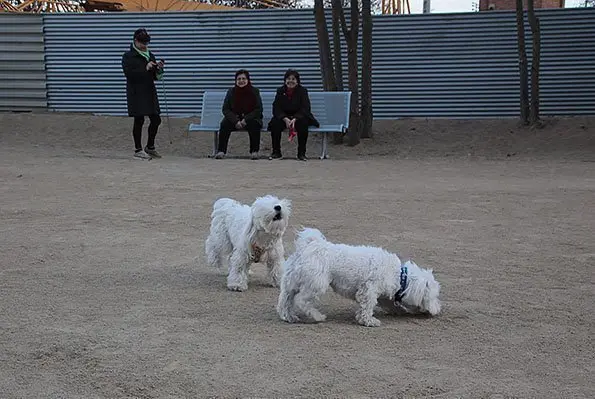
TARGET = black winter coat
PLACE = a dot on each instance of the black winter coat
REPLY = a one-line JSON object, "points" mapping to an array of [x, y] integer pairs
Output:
{"points": [[298, 107], [141, 94], [227, 109]]}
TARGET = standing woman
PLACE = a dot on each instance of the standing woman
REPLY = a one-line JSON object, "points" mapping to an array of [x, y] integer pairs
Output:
{"points": [[242, 110], [291, 110], [142, 70]]}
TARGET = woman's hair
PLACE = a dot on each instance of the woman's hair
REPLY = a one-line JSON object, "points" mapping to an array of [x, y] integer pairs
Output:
{"points": [[142, 35], [292, 72], [243, 72]]}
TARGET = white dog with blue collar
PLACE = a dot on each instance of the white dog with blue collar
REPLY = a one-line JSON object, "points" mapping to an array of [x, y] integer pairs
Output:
{"points": [[369, 275]]}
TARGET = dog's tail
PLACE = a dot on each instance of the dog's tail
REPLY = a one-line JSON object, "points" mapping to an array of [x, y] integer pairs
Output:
{"points": [[306, 236], [221, 204]]}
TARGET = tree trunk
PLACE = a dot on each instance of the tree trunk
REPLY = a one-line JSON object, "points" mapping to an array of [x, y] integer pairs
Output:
{"points": [[337, 44], [366, 108], [324, 48], [535, 63], [354, 119], [353, 135], [524, 81], [351, 35], [337, 12]]}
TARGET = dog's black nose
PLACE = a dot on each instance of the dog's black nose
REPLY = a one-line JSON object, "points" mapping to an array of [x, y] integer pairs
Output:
{"points": [[278, 208]]}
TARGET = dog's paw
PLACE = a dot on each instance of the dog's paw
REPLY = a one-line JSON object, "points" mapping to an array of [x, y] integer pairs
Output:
{"points": [[370, 322], [319, 318], [288, 316], [237, 288]]}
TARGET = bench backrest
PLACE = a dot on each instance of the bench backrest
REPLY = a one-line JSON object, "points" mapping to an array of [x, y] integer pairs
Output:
{"points": [[328, 107]]}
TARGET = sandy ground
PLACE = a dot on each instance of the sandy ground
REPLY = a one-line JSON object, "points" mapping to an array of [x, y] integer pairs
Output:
{"points": [[106, 294]]}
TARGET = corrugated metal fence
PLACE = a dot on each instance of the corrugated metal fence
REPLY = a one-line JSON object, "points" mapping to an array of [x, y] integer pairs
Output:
{"points": [[202, 51], [465, 65], [22, 69], [437, 65]]}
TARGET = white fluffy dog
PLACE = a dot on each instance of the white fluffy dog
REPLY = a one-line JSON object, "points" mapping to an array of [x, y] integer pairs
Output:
{"points": [[368, 275], [248, 233]]}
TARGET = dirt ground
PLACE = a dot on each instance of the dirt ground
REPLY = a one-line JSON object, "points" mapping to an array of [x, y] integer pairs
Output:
{"points": [[106, 294]]}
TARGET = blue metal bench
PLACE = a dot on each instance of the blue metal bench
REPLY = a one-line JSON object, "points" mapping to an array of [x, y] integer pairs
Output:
{"points": [[331, 109]]}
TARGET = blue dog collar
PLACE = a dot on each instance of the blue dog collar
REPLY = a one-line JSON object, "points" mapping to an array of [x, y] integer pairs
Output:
{"points": [[403, 282]]}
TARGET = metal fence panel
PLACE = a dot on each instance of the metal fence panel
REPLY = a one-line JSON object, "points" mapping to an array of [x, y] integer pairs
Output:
{"points": [[466, 65], [22, 69], [424, 65]]}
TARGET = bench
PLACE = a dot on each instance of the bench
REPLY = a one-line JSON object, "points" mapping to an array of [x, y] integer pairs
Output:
{"points": [[330, 108]]}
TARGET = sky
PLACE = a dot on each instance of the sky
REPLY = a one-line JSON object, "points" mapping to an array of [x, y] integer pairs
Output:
{"points": [[445, 6], [441, 6]]}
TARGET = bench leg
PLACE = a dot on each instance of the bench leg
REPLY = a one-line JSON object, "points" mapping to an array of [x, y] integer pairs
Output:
{"points": [[215, 144], [324, 154]]}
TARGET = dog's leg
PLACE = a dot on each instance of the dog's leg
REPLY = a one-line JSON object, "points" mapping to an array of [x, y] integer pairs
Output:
{"points": [[225, 252], [212, 251], [274, 261], [367, 298], [217, 248], [285, 305], [304, 301], [237, 279]]}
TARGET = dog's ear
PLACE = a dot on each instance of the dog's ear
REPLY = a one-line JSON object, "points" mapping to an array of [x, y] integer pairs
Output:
{"points": [[250, 228]]}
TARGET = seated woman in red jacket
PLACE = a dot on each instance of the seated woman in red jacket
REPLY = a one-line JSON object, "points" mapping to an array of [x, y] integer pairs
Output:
{"points": [[242, 110], [291, 109]]}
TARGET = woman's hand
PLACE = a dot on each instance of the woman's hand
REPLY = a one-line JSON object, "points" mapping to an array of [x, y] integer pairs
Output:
{"points": [[288, 122], [150, 65]]}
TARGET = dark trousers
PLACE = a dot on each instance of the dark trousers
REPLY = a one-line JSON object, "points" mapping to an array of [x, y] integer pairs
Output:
{"points": [[137, 130], [277, 126], [225, 129]]}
